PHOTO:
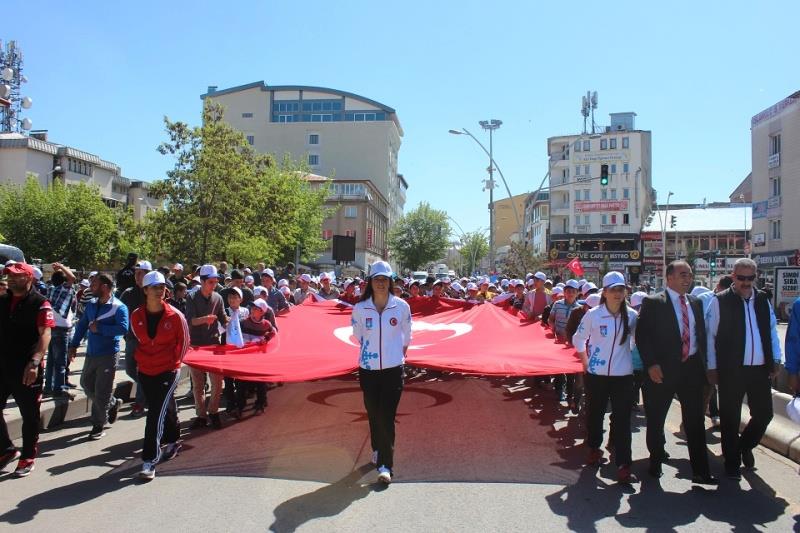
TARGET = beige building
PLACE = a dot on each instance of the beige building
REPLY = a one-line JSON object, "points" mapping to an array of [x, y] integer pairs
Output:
{"points": [[775, 141], [596, 222], [360, 211], [23, 155], [338, 134], [506, 225]]}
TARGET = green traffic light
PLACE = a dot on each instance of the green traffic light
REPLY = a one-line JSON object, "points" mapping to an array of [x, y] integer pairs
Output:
{"points": [[604, 181]]}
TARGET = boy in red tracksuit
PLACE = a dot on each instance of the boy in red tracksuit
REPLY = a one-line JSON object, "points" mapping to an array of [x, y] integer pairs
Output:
{"points": [[163, 336]]}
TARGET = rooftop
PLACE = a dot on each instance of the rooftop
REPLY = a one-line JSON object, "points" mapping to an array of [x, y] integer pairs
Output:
{"points": [[698, 219]]}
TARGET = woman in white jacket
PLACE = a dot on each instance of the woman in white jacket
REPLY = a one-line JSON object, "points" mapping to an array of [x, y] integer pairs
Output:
{"points": [[603, 342], [382, 326]]}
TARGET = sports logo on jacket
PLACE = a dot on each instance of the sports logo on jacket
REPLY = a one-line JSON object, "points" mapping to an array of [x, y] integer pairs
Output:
{"points": [[604, 331], [368, 323], [393, 321]]}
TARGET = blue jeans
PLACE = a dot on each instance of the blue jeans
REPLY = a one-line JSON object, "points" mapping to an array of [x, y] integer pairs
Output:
{"points": [[131, 369], [55, 374]]}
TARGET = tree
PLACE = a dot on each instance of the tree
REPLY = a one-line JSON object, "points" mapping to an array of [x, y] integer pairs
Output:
{"points": [[474, 247], [520, 260], [222, 200], [420, 236], [68, 224]]}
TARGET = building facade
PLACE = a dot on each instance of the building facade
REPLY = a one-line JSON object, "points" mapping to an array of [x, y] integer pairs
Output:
{"points": [[600, 224], [24, 155], [693, 233], [357, 209], [537, 219], [775, 142], [506, 224], [338, 134]]}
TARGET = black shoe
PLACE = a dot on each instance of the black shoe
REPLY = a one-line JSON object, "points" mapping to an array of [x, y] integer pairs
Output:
{"points": [[234, 413], [748, 460], [216, 423], [97, 433], [705, 479], [733, 472], [70, 385], [258, 410], [199, 423], [666, 457], [113, 411], [655, 469]]}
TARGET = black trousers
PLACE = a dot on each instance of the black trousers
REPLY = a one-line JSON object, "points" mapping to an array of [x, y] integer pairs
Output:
{"points": [[382, 390], [161, 425], [754, 381], [618, 389], [244, 387], [689, 384], [28, 399]]}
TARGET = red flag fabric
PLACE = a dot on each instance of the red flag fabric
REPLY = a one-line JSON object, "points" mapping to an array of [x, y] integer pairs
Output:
{"points": [[315, 341], [576, 267]]}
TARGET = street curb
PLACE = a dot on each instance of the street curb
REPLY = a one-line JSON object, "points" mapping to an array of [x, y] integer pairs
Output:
{"points": [[783, 434], [76, 409]]}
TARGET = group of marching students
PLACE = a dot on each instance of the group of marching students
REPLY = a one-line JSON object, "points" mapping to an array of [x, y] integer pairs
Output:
{"points": [[626, 341]]}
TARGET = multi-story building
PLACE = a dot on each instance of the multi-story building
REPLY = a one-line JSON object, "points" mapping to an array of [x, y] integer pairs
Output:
{"points": [[600, 224], [506, 224], [775, 141], [537, 218], [338, 134], [33, 155], [358, 210], [693, 233]]}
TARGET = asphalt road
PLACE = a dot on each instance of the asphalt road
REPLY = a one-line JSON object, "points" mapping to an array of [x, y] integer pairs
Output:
{"points": [[472, 455]]}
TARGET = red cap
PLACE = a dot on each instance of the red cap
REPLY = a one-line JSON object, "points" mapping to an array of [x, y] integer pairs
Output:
{"points": [[19, 268]]}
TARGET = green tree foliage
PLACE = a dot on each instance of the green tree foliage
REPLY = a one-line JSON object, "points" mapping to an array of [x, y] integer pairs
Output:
{"points": [[474, 247], [222, 200], [68, 224], [420, 236]]}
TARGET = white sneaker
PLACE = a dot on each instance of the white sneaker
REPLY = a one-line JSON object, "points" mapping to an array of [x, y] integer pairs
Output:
{"points": [[148, 471], [375, 457], [384, 475]]}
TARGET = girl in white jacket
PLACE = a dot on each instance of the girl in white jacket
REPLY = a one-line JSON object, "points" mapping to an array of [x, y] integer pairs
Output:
{"points": [[603, 340], [382, 326]]}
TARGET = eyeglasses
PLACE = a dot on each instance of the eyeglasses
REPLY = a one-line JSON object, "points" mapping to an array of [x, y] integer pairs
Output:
{"points": [[745, 278]]}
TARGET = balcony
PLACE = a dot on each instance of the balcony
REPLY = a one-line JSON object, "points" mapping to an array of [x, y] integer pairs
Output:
{"points": [[559, 209], [608, 228], [583, 228]]}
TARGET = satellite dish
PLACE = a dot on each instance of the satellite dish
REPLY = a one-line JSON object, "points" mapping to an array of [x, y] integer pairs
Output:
{"points": [[27, 102], [5, 90], [27, 124], [8, 74]]}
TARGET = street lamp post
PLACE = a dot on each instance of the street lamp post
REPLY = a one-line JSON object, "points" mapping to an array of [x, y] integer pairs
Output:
{"points": [[664, 240], [744, 207]]}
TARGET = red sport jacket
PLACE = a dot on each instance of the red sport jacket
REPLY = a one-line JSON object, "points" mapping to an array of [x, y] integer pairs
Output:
{"points": [[165, 352]]}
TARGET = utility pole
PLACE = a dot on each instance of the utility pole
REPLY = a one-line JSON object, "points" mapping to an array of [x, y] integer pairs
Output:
{"points": [[491, 125]]}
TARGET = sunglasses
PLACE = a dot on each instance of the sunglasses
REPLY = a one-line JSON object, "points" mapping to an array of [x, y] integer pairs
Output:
{"points": [[745, 278]]}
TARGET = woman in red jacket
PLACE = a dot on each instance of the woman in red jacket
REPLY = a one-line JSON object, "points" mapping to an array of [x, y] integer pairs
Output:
{"points": [[163, 340]]}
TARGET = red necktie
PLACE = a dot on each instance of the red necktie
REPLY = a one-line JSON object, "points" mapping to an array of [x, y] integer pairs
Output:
{"points": [[685, 331]]}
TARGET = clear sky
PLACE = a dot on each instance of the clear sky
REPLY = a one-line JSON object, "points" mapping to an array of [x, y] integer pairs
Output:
{"points": [[103, 74]]}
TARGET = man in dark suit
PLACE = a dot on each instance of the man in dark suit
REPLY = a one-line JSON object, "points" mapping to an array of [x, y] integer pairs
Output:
{"points": [[744, 354], [671, 338]]}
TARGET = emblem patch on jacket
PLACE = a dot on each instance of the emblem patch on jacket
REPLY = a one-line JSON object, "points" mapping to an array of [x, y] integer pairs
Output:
{"points": [[368, 323], [393, 321]]}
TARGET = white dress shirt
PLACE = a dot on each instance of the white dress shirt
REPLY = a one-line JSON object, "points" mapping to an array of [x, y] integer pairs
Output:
{"points": [[753, 349], [676, 304]]}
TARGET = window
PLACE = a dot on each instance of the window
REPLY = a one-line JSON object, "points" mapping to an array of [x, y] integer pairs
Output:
{"points": [[251, 140], [285, 118], [586, 194], [321, 118], [565, 173], [313, 138], [587, 146], [348, 189], [612, 168], [775, 186], [327, 234], [774, 144], [626, 194], [775, 229], [286, 106], [577, 146], [586, 170], [604, 144], [578, 170], [350, 233], [247, 115], [578, 195], [604, 194], [350, 211], [613, 194], [625, 168], [612, 144], [613, 219], [586, 219], [625, 142], [604, 219], [626, 219], [313, 160]]}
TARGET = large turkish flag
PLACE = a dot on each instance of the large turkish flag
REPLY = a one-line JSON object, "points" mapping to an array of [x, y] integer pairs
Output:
{"points": [[315, 341]]}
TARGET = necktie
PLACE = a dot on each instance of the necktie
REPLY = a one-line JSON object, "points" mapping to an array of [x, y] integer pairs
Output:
{"points": [[685, 330]]}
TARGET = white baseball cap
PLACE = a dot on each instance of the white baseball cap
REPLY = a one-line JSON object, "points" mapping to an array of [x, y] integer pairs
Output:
{"points": [[325, 276], [540, 275], [697, 291], [268, 272], [153, 278], [208, 271], [380, 268], [586, 287], [261, 304], [593, 300], [457, 286], [249, 279], [286, 290], [613, 279], [177, 266], [37, 273], [283, 283], [85, 283], [144, 265], [258, 291], [530, 282], [571, 284], [472, 287], [237, 290], [93, 273], [306, 278], [637, 297], [558, 290]]}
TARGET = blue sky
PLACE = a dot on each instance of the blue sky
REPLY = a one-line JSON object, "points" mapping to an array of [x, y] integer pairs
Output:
{"points": [[103, 75]]}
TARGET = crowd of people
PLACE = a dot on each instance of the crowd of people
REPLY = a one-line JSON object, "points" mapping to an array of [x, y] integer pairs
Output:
{"points": [[709, 348]]}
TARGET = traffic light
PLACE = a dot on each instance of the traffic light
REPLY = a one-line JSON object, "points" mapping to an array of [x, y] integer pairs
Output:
{"points": [[712, 264], [673, 221], [603, 175]]}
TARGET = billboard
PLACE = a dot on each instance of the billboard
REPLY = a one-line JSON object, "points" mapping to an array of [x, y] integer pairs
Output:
{"points": [[787, 290]]}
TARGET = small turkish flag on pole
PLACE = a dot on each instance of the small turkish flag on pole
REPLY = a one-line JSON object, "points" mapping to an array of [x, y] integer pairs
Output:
{"points": [[576, 267]]}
